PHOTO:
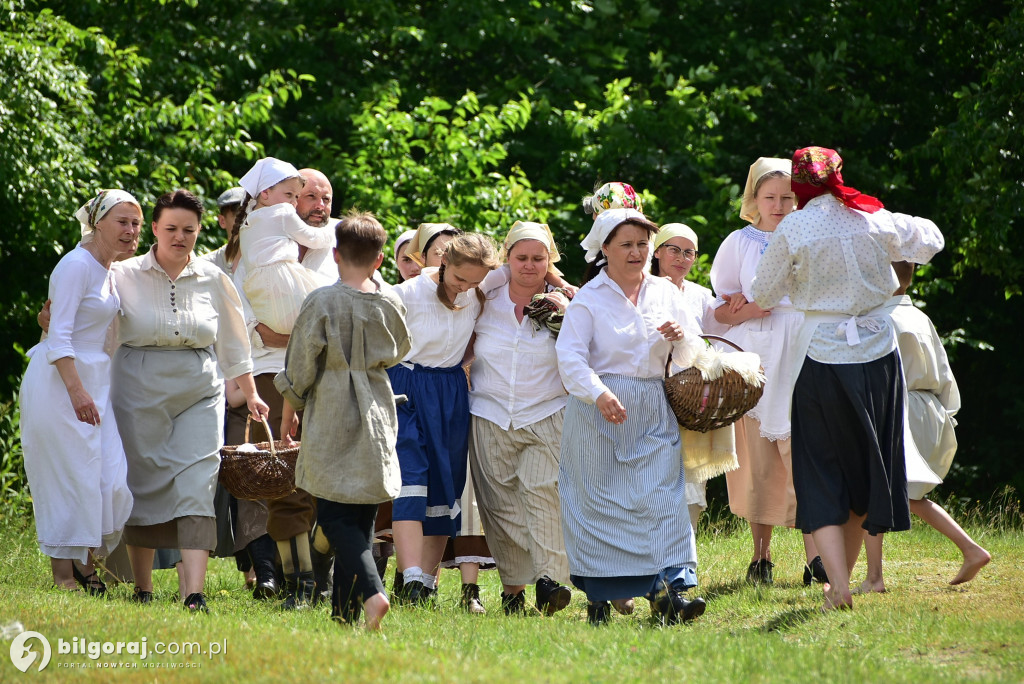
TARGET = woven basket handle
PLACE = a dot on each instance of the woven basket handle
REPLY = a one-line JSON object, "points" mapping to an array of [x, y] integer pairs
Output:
{"points": [[266, 426], [668, 364]]}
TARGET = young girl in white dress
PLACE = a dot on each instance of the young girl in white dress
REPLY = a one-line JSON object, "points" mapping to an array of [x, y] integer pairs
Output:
{"points": [[761, 489], [270, 232]]}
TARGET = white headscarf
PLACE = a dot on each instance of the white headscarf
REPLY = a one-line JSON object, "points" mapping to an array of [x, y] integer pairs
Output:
{"points": [[96, 208], [607, 221], [758, 170], [405, 237], [266, 173]]}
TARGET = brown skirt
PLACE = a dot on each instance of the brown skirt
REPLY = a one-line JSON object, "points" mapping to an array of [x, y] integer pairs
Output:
{"points": [[187, 532]]}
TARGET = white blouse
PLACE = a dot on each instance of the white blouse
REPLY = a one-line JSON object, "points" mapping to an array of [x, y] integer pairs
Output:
{"points": [[836, 261], [84, 301], [515, 371], [697, 299], [736, 261], [198, 309], [439, 335], [604, 333]]}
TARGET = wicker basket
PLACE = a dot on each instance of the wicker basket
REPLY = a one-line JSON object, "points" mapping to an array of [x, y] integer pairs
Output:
{"points": [[268, 473], [702, 405]]}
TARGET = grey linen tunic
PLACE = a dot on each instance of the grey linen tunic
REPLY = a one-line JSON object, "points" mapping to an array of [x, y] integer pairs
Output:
{"points": [[343, 342]]}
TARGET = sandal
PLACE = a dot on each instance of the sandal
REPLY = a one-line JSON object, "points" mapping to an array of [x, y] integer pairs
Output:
{"points": [[91, 582], [142, 596]]}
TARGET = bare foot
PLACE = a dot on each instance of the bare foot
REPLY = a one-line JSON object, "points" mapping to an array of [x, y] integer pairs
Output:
{"points": [[375, 608], [869, 587], [974, 560], [837, 600], [624, 606]]}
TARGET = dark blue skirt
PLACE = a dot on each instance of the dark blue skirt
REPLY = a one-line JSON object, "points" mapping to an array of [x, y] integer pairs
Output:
{"points": [[848, 445], [433, 444]]}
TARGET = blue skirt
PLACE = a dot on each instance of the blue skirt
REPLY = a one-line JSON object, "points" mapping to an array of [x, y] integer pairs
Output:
{"points": [[433, 445], [624, 515]]}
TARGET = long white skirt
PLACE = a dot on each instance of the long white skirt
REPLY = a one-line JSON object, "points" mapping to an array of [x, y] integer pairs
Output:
{"points": [[76, 472]]}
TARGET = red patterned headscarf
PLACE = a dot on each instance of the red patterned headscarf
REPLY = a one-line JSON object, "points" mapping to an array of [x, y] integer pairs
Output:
{"points": [[816, 171]]}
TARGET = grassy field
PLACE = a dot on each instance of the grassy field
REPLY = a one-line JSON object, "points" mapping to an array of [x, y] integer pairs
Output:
{"points": [[922, 630]]}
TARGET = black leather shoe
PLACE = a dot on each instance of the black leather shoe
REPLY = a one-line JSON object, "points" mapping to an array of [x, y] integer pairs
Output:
{"points": [[91, 582], [760, 572], [514, 604], [471, 602], [411, 593], [301, 590], [196, 603], [598, 613], [266, 588], [815, 572], [670, 606], [141, 596], [552, 596]]}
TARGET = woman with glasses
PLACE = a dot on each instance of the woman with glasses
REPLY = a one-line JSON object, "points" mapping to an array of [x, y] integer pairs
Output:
{"points": [[705, 455], [761, 489]]}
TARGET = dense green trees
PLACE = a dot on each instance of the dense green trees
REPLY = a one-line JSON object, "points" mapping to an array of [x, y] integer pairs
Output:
{"points": [[482, 112]]}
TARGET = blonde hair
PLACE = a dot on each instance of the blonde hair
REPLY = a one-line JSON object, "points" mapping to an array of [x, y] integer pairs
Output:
{"points": [[467, 249]]}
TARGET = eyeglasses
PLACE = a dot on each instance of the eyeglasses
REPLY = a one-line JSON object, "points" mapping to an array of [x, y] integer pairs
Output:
{"points": [[674, 252]]}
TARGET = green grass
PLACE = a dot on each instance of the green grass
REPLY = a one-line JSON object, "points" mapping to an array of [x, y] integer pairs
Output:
{"points": [[922, 630]]}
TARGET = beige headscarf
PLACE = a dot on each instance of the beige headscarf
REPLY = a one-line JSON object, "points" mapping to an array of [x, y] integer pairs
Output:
{"points": [[762, 167], [424, 232], [674, 230], [96, 208], [528, 230]]}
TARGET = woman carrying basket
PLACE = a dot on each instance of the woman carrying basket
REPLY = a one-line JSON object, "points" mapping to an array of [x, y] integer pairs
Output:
{"points": [[705, 454], [626, 527]]}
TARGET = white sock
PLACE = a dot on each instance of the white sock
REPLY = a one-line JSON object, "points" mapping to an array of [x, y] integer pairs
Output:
{"points": [[428, 581], [413, 574]]}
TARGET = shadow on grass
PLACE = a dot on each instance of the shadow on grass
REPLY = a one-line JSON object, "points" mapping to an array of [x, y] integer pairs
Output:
{"points": [[789, 619]]}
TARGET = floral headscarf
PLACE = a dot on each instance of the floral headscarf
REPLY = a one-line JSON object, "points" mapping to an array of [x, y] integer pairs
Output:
{"points": [[612, 196], [96, 208], [816, 171]]}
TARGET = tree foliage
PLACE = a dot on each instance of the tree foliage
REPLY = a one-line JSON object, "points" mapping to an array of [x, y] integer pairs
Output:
{"points": [[481, 112]]}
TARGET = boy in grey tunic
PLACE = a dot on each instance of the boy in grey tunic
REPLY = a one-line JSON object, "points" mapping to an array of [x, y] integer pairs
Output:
{"points": [[344, 339]]}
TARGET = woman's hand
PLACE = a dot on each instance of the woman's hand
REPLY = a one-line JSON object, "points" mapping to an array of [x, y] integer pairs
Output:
{"points": [[736, 301], [671, 331], [43, 317], [738, 309], [611, 409], [257, 407], [85, 408], [558, 299]]}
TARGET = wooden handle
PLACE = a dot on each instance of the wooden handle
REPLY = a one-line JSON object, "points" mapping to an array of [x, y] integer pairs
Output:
{"points": [[266, 426]]}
